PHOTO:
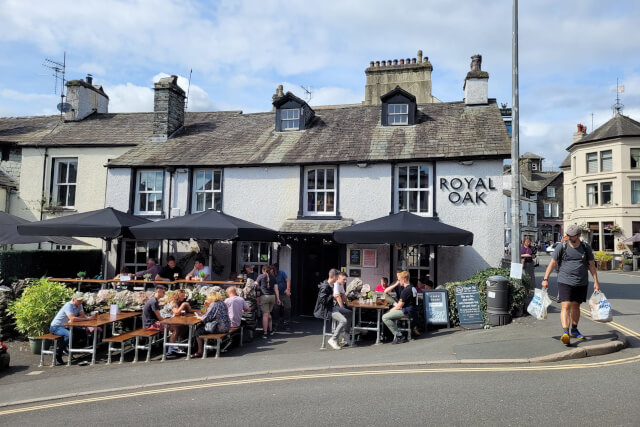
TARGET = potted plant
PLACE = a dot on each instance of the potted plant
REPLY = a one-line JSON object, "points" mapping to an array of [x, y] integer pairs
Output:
{"points": [[82, 274], [627, 264], [147, 277], [37, 307], [603, 260], [202, 274]]}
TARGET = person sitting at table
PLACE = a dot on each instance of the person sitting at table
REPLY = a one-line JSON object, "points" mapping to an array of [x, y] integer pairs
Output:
{"points": [[233, 277], [71, 311], [123, 277], [424, 283], [199, 267], [250, 273], [384, 283], [169, 271], [236, 305], [405, 306], [151, 311], [341, 313], [152, 268], [214, 321], [176, 306]]}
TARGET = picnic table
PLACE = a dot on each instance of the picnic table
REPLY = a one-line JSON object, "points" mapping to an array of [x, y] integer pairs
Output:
{"points": [[357, 307], [100, 320], [145, 283], [189, 320]]}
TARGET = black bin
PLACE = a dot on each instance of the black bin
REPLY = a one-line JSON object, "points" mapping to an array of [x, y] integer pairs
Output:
{"points": [[498, 301]]}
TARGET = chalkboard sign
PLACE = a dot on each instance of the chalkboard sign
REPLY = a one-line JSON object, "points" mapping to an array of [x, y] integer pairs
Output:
{"points": [[355, 257], [354, 272], [468, 299], [436, 306]]}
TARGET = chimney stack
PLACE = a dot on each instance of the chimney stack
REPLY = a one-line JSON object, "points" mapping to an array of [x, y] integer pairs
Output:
{"points": [[168, 108], [581, 132], [476, 84], [85, 99]]}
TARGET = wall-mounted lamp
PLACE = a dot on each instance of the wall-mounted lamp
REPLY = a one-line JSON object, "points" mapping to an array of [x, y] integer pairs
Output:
{"points": [[465, 162], [362, 165]]}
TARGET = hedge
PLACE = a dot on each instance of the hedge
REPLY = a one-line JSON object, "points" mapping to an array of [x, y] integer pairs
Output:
{"points": [[38, 263]]}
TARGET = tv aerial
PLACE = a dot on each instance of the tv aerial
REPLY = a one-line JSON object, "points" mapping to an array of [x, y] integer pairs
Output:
{"points": [[308, 93], [59, 70]]}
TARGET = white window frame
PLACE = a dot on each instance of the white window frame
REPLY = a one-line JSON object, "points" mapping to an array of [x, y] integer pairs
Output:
{"points": [[592, 196], [397, 114], [215, 194], [65, 183], [635, 190], [547, 210], [428, 190], [324, 191], [602, 192], [551, 192], [592, 160], [289, 119], [153, 191], [150, 248], [534, 166], [634, 155], [255, 253], [608, 159], [555, 212]]}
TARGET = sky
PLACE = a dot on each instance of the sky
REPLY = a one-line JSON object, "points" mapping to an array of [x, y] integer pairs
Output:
{"points": [[237, 52]]}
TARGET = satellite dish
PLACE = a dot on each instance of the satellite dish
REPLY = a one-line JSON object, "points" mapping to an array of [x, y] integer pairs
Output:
{"points": [[64, 107]]}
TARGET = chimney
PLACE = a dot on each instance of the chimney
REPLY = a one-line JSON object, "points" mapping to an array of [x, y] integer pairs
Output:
{"points": [[580, 133], [85, 99], [476, 85], [279, 94], [168, 108], [411, 75]]}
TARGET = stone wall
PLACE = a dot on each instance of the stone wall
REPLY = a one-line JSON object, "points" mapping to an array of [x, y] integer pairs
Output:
{"points": [[168, 107]]}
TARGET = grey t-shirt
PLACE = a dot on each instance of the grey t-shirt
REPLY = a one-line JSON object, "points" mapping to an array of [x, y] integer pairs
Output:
{"points": [[573, 269]]}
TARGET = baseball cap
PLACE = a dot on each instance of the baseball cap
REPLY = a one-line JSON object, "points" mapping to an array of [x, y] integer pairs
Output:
{"points": [[160, 286], [573, 230], [78, 296]]}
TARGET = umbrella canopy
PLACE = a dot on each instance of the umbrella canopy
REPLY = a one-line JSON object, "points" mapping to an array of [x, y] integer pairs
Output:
{"points": [[9, 233], [105, 223], [404, 227], [633, 239], [207, 225]]}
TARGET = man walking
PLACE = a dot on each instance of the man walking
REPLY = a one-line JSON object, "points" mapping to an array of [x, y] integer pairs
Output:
{"points": [[340, 314], [284, 288], [573, 259]]}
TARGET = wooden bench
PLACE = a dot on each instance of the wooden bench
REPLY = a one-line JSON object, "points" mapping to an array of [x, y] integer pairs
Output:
{"points": [[150, 334], [219, 339], [44, 338], [122, 339]]}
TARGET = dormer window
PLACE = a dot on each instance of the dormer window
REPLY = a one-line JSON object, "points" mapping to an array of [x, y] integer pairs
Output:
{"points": [[290, 119], [398, 108], [398, 114]]}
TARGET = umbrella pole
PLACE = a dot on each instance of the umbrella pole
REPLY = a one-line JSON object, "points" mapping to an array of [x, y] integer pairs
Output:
{"points": [[106, 258], [210, 257]]}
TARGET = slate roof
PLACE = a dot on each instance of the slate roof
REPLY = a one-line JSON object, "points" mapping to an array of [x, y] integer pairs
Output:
{"points": [[538, 180], [566, 163], [529, 155], [120, 129], [618, 126], [342, 134]]}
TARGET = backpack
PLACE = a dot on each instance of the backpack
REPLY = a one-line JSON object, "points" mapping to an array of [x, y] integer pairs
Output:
{"points": [[563, 252], [324, 302]]}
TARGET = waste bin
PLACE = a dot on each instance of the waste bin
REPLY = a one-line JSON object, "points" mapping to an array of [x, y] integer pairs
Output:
{"points": [[498, 301]]}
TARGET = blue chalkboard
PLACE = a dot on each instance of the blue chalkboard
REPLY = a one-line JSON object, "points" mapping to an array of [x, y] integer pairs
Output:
{"points": [[468, 300], [436, 306]]}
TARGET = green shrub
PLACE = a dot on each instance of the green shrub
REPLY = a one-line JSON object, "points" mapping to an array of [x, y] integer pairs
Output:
{"points": [[38, 305]]}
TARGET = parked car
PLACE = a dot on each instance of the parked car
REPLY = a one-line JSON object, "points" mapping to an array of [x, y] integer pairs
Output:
{"points": [[553, 247]]}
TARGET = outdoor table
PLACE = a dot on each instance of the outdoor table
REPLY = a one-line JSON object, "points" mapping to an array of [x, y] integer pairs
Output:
{"points": [[81, 281], [224, 284], [189, 320], [356, 306], [102, 319]]}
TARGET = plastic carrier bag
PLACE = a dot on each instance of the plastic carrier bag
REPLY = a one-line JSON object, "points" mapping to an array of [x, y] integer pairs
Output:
{"points": [[600, 307], [538, 305]]}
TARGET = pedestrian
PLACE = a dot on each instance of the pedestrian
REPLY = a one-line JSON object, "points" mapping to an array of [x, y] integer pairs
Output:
{"points": [[573, 259], [282, 312], [269, 298], [527, 256], [341, 313], [405, 306]]}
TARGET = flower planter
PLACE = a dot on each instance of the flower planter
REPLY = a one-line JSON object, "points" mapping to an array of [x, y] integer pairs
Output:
{"points": [[35, 345], [604, 265], [626, 267]]}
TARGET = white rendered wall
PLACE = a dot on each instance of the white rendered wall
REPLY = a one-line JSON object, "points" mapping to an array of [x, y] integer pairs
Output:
{"points": [[476, 91], [485, 221], [118, 189], [365, 193]]}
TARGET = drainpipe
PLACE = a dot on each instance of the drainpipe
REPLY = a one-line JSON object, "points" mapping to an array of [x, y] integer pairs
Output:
{"points": [[44, 177]]}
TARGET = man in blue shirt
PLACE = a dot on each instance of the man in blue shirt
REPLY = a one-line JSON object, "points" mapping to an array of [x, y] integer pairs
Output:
{"points": [[71, 312], [284, 288]]}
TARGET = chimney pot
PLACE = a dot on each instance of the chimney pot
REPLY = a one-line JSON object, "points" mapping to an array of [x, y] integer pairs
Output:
{"points": [[413, 60], [401, 62], [90, 79], [384, 63], [407, 61], [371, 64], [377, 63], [395, 62], [419, 56]]}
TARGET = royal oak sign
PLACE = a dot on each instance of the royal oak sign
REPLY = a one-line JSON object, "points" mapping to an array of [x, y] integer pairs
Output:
{"points": [[467, 190]]}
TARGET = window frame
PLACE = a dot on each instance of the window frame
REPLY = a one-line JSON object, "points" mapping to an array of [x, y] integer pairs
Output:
{"points": [[55, 185], [284, 112], [609, 192], [249, 259], [215, 194], [416, 257], [152, 249], [137, 210], [592, 195], [551, 192], [635, 158], [395, 114], [592, 160], [409, 189], [635, 183], [316, 190], [603, 159]]}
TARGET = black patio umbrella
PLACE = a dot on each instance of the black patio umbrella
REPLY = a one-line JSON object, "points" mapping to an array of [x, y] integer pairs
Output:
{"points": [[405, 228], [207, 225], [9, 233], [107, 224]]}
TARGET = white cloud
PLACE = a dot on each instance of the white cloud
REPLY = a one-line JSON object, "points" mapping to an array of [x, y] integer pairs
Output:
{"points": [[129, 98]]}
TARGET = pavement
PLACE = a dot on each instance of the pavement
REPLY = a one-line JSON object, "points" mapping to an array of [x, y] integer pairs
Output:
{"points": [[524, 341]]}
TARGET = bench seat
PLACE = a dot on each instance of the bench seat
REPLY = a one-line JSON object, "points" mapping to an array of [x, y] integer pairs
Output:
{"points": [[150, 334], [220, 338], [44, 338], [122, 339]]}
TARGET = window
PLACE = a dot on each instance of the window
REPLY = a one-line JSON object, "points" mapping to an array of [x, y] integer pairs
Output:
{"points": [[534, 196], [594, 232], [414, 259], [136, 253], [531, 220], [551, 192], [592, 162], [398, 114], [607, 236], [149, 192], [592, 194], [65, 174], [59, 247], [534, 166], [606, 161], [290, 119], [635, 192], [320, 191], [606, 190], [575, 197], [256, 253], [207, 190], [547, 210], [413, 187], [635, 158]]}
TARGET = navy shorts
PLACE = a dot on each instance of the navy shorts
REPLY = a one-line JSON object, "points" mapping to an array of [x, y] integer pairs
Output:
{"points": [[567, 293]]}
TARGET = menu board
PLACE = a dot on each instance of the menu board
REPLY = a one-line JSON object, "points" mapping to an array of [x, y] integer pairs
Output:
{"points": [[369, 258], [468, 300], [436, 306], [355, 257]]}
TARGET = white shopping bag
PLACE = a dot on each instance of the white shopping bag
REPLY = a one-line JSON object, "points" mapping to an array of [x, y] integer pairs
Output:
{"points": [[538, 305], [600, 307]]}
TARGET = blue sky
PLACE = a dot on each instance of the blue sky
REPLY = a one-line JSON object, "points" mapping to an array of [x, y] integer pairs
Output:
{"points": [[571, 53]]}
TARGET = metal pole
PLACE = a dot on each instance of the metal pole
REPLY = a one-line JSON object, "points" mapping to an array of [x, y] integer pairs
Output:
{"points": [[515, 144]]}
